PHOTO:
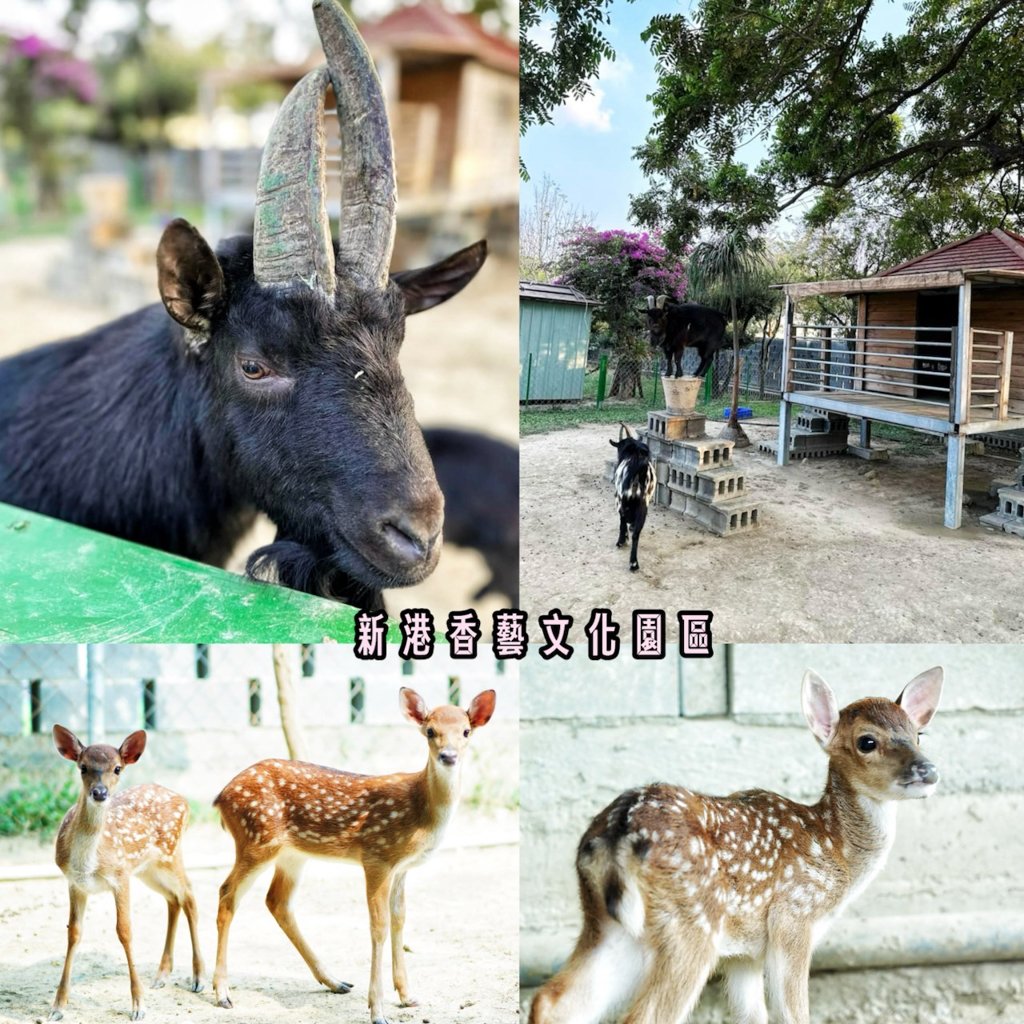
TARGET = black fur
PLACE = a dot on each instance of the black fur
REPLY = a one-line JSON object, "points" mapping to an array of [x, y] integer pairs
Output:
{"points": [[479, 478], [149, 430], [634, 487], [684, 324]]}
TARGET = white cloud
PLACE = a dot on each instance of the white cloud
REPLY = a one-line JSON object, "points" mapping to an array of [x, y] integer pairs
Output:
{"points": [[588, 112]]}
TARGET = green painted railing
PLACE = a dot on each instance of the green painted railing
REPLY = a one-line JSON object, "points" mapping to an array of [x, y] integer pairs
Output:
{"points": [[61, 583]]}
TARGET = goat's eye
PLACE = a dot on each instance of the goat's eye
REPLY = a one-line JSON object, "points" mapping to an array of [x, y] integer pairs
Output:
{"points": [[117, 769], [866, 744], [431, 734], [254, 370]]}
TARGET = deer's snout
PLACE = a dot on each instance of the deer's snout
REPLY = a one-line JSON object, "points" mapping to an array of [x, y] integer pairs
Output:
{"points": [[925, 771], [448, 756], [99, 793]]}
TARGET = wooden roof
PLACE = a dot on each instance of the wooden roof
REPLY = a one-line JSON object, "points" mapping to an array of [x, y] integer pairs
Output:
{"points": [[986, 250]]}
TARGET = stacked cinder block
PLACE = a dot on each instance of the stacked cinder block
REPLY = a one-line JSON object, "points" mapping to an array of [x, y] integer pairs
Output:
{"points": [[1009, 515], [816, 433]]}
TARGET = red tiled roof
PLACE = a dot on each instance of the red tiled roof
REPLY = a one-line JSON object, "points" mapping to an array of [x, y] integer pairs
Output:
{"points": [[428, 26], [987, 250]]}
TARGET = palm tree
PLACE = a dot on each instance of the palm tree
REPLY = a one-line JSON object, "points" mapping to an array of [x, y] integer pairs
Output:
{"points": [[725, 262]]}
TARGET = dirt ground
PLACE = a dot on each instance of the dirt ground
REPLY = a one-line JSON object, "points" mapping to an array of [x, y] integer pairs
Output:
{"points": [[460, 362], [843, 554], [461, 932]]}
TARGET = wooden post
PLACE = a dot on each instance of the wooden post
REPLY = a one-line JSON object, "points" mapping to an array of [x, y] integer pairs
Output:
{"points": [[858, 349], [1005, 369], [785, 406]]}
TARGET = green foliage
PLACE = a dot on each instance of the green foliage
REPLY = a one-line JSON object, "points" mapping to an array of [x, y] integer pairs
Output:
{"points": [[36, 807], [935, 112], [550, 74]]}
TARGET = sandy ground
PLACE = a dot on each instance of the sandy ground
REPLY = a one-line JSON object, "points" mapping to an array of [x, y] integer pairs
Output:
{"points": [[841, 555], [460, 361], [461, 933]]}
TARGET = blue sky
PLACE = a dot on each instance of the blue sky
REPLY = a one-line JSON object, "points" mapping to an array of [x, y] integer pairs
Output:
{"points": [[588, 149]]}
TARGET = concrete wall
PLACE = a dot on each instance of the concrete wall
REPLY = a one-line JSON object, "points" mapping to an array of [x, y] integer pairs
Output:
{"points": [[952, 889], [204, 732]]}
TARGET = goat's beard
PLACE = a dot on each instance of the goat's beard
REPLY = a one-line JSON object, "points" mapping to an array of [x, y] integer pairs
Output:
{"points": [[299, 567]]}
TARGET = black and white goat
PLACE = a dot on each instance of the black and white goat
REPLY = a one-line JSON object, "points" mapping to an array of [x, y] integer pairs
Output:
{"points": [[634, 487]]}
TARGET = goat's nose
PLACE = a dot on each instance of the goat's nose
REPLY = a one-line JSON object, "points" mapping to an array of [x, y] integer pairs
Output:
{"points": [[926, 771], [411, 536], [99, 793]]}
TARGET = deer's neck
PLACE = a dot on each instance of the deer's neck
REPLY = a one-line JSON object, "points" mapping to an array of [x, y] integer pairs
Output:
{"points": [[442, 786], [79, 843], [862, 828]]}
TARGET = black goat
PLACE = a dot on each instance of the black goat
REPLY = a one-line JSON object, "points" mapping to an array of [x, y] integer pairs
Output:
{"points": [[479, 478], [268, 381], [675, 326], [634, 486]]}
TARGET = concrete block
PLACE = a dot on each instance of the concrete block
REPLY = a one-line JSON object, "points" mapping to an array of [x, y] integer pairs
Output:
{"points": [[669, 426], [681, 478], [720, 484], [725, 517], [871, 454]]}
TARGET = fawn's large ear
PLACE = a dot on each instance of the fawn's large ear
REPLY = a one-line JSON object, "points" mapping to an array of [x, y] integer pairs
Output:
{"points": [[132, 748], [481, 709], [67, 743], [920, 697], [430, 286], [820, 707], [413, 706], [190, 279]]}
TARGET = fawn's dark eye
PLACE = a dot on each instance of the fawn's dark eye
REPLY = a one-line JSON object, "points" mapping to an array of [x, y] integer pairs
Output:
{"points": [[83, 768], [431, 734], [866, 744], [117, 769], [465, 732], [254, 370]]}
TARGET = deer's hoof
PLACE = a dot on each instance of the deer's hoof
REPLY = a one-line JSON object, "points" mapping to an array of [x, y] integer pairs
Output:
{"points": [[195, 984], [225, 1001], [159, 981], [381, 1020], [56, 1014], [138, 1014], [340, 986], [409, 1002]]}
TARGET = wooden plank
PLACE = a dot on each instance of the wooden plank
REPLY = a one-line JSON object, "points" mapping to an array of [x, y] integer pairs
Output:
{"points": [[66, 584], [856, 286], [1004, 370]]}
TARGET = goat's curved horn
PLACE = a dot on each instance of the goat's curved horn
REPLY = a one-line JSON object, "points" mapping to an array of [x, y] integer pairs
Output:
{"points": [[623, 427], [661, 301], [292, 235], [367, 226], [650, 302]]}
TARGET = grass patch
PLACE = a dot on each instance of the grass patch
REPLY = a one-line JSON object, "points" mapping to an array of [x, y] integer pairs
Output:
{"points": [[542, 419], [907, 441], [36, 807]]}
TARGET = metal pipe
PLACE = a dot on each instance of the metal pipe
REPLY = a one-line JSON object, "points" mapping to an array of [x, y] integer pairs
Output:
{"points": [[96, 725]]}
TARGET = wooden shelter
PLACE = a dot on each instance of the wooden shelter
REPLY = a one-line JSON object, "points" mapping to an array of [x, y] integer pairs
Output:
{"points": [[931, 348], [554, 335]]}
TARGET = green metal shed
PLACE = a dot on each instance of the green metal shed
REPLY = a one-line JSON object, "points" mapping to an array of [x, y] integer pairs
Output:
{"points": [[554, 333]]}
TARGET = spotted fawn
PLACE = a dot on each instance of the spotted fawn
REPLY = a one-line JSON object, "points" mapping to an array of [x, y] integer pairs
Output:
{"points": [[674, 883], [107, 837], [281, 812]]}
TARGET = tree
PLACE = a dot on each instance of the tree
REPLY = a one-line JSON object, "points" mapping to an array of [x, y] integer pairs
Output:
{"points": [[544, 226], [837, 110], [550, 74], [620, 269], [727, 261]]}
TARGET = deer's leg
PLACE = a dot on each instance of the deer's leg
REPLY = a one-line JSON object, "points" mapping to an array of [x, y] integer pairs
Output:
{"points": [[745, 983], [789, 967], [188, 903], [398, 971], [167, 960], [681, 960], [122, 903], [378, 891], [248, 862], [638, 525], [279, 903], [77, 913], [602, 975]]}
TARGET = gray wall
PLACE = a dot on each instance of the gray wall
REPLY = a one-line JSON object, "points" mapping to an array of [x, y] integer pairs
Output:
{"points": [[953, 880]]}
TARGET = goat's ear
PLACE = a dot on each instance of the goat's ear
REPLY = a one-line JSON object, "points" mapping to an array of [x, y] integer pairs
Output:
{"points": [[191, 281], [430, 286]]}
